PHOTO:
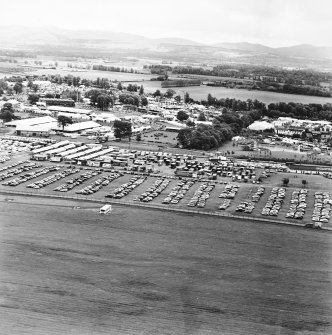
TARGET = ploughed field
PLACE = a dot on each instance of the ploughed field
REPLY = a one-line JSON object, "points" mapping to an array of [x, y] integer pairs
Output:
{"points": [[65, 269]]}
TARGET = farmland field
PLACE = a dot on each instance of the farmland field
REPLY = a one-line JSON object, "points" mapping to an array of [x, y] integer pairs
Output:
{"points": [[201, 92], [67, 270]]}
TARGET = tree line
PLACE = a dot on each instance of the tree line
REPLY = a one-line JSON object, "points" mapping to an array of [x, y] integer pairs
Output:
{"points": [[113, 69]]}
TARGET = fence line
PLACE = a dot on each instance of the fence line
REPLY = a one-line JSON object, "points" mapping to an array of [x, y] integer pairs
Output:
{"points": [[159, 207]]}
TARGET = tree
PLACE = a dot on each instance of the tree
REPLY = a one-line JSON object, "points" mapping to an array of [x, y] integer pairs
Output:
{"points": [[187, 98], [184, 137], [119, 87], [182, 116], [190, 124], [129, 99], [7, 112], [285, 181], [304, 182], [64, 121], [170, 93], [141, 90], [201, 117], [33, 98], [122, 129], [103, 101], [138, 137], [18, 88], [157, 93], [144, 101]]}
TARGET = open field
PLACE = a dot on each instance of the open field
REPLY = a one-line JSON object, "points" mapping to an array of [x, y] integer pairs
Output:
{"points": [[65, 269], [201, 93]]}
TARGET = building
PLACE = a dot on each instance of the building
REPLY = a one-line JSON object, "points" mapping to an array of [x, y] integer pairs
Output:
{"points": [[38, 126], [57, 109], [78, 127]]}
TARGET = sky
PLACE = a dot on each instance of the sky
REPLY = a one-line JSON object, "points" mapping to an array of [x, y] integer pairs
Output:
{"points": [[270, 22]]}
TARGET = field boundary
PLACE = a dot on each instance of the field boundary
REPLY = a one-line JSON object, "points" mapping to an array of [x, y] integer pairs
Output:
{"points": [[159, 207]]}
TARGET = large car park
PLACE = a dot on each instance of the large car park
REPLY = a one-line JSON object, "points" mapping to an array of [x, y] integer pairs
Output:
{"points": [[165, 170]]}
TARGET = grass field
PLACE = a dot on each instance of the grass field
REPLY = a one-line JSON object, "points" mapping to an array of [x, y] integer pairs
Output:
{"points": [[65, 269]]}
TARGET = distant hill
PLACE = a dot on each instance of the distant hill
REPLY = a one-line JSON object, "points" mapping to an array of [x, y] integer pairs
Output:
{"points": [[55, 40]]}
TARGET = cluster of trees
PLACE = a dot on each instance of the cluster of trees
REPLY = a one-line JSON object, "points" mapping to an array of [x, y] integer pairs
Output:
{"points": [[122, 129], [135, 88], [300, 111], [133, 99], [7, 113], [113, 69], [71, 80], [158, 69], [101, 98], [223, 129]]}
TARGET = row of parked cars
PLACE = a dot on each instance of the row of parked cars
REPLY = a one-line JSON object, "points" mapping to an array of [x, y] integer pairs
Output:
{"points": [[152, 192], [17, 170], [258, 193], [298, 204], [322, 209], [178, 192], [76, 181], [201, 195], [245, 207], [7, 167], [230, 191], [126, 188], [225, 203], [31, 175], [53, 178], [98, 184], [274, 202]]}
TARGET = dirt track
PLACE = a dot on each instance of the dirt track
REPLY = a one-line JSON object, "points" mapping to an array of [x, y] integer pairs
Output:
{"points": [[68, 270]]}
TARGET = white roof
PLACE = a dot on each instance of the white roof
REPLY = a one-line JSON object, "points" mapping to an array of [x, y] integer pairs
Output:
{"points": [[32, 122], [37, 128], [261, 125], [69, 110], [79, 126]]}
